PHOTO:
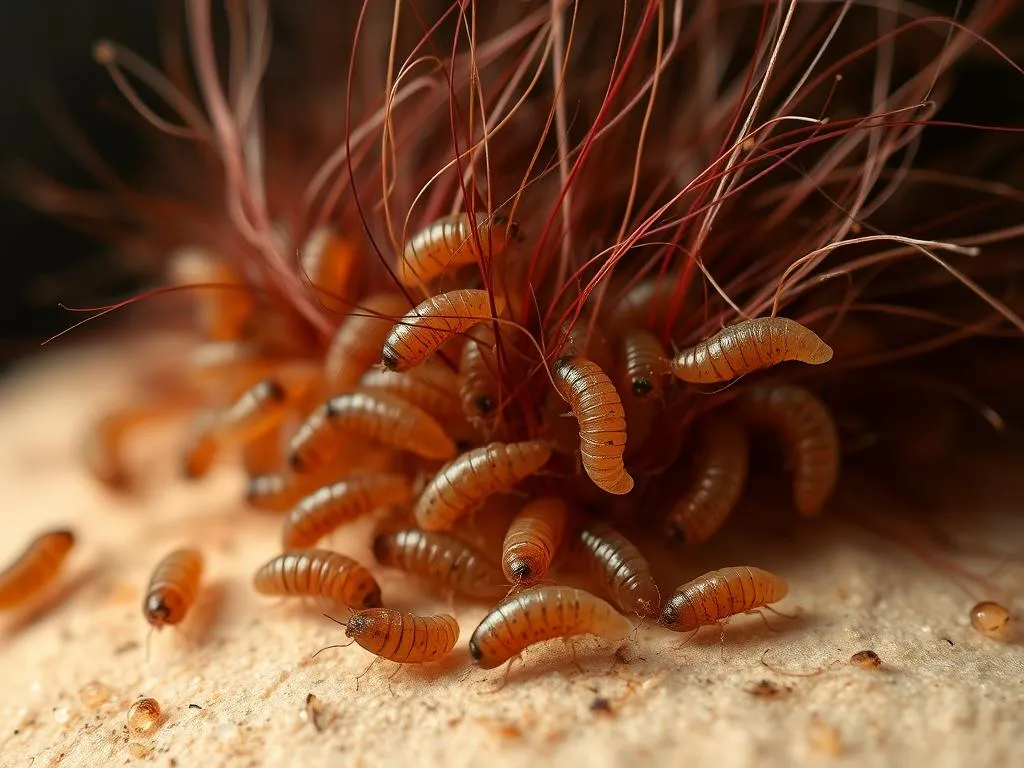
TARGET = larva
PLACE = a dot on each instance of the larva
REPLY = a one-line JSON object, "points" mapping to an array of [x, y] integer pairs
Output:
{"points": [[173, 588], [319, 573], [464, 483], [36, 568], [622, 571], [538, 614], [533, 539], [357, 342], [717, 595], [443, 561], [602, 421], [749, 346], [419, 334], [450, 242], [328, 261], [104, 443], [585, 339], [479, 390], [223, 308], [273, 491], [643, 364], [992, 620], [645, 305], [434, 388], [403, 638], [808, 433]]}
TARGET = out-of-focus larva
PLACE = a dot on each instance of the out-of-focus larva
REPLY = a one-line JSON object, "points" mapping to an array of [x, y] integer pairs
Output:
{"points": [[622, 571], [719, 478], [328, 260], [319, 573], [463, 484], [717, 595], [36, 568], [223, 306], [378, 416], [334, 505], [808, 434], [645, 305], [359, 339], [597, 407], [144, 716], [434, 388], [259, 409], [749, 346], [586, 339], [173, 588], [478, 368], [643, 364], [866, 660], [538, 614], [992, 620], [445, 562], [404, 638], [450, 242], [104, 443], [273, 491], [419, 334], [533, 538]]}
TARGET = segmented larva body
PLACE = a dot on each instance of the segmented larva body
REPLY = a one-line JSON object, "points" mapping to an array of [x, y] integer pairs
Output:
{"points": [[260, 408], [478, 370], [319, 573], [597, 407], [542, 613], [202, 446], [463, 484], [224, 308], [103, 446], [445, 562], [533, 539], [404, 638], [808, 434], [450, 242], [748, 346], [334, 505], [719, 479], [378, 416], [434, 388], [36, 568], [173, 588], [358, 340], [717, 595], [273, 492], [643, 364], [423, 330], [328, 261], [622, 571]]}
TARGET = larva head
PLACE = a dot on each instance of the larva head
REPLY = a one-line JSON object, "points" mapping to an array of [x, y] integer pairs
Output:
{"points": [[390, 358], [360, 625], [475, 652], [519, 570], [679, 615], [62, 539], [642, 386], [161, 607], [484, 404], [498, 233]]}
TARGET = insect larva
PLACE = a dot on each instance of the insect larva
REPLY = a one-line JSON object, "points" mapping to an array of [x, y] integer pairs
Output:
{"points": [[419, 334], [273, 491], [144, 716], [223, 307], [538, 614], [358, 340], [645, 305], [319, 573], [620, 568], [478, 367], [602, 421], [334, 505], [719, 478], [808, 434], [450, 242], [585, 339], [643, 363], [866, 660], [104, 444], [36, 568], [533, 538], [717, 595], [375, 416], [434, 388], [264, 453], [464, 483], [201, 447], [749, 346], [444, 561], [404, 638], [260, 408], [173, 588], [328, 260], [992, 620]]}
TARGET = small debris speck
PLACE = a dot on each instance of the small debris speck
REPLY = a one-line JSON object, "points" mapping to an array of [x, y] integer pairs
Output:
{"points": [[144, 716], [94, 694], [866, 660], [194, 706], [61, 715], [766, 689], [313, 710], [601, 705]]}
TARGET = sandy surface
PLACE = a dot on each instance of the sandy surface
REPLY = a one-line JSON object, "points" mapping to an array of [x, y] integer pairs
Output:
{"points": [[235, 681]]}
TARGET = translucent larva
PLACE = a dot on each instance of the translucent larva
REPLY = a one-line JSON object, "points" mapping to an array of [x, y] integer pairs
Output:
{"points": [[223, 307], [434, 388], [445, 562], [643, 364], [718, 481], [450, 242], [144, 716], [173, 588], [597, 407], [273, 492], [358, 340], [720, 594], [479, 390], [992, 620], [328, 261], [463, 484], [623, 572], [334, 505], [749, 346], [423, 330], [259, 409], [36, 568], [533, 539], [319, 573], [808, 434], [404, 638], [538, 614]]}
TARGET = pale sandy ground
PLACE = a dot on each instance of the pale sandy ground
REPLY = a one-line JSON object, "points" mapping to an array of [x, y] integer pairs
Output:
{"points": [[234, 683]]}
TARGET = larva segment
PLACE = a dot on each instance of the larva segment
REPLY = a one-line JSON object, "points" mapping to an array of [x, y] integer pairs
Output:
{"points": [[273, 492], [597, 407], [479, 390], [434, 388], [538, 614], [622, 571], [223, 306], [808, 434], [423, 330], [533, 539], [465, 483], [404, 638], [173, 588], [450, 242], [441, 560], [319, 573], [36, 568], [717, 595], [643, 364], [328, 261], [748, 346], [357, 342]]}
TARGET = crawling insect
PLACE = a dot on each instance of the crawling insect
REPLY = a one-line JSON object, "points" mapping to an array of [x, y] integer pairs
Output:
{"points": [[624, 573], [478, 369], [319, 573], [643, 363], [451, 242], [533, 539], [717, 595], [357, 343], [36, 568], [173, 588], [441, 560], [403, 638]]}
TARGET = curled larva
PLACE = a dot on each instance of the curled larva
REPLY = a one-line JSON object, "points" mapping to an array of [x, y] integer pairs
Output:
{"points": [[643, 365], [319, 573], [479, 390], [621, 570], [173, 588], [450, 242], [36, 568], [434, 388], [717, 595], [533, 539], [357, 342], [403, 638], [443, 561]]}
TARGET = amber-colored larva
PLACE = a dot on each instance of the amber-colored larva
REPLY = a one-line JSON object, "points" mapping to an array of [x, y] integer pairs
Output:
{"points": [[423, 330], [719, 478], [622, 571], [328, 261], [478, 368], [36, 568], [144, 716], [866, 660], [533, 539], [173, 588], [808, 434], [463, 484], [434, 388], [717, 595], [403, 638], [334, 505], [643, 363], [223, 307], [273, 492], [749, 346], [104, 442], [260, 408], [358, 340], [992, 620], [442, 560], [598, 408], [319, 573], [450, 242], [538, 614]]}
